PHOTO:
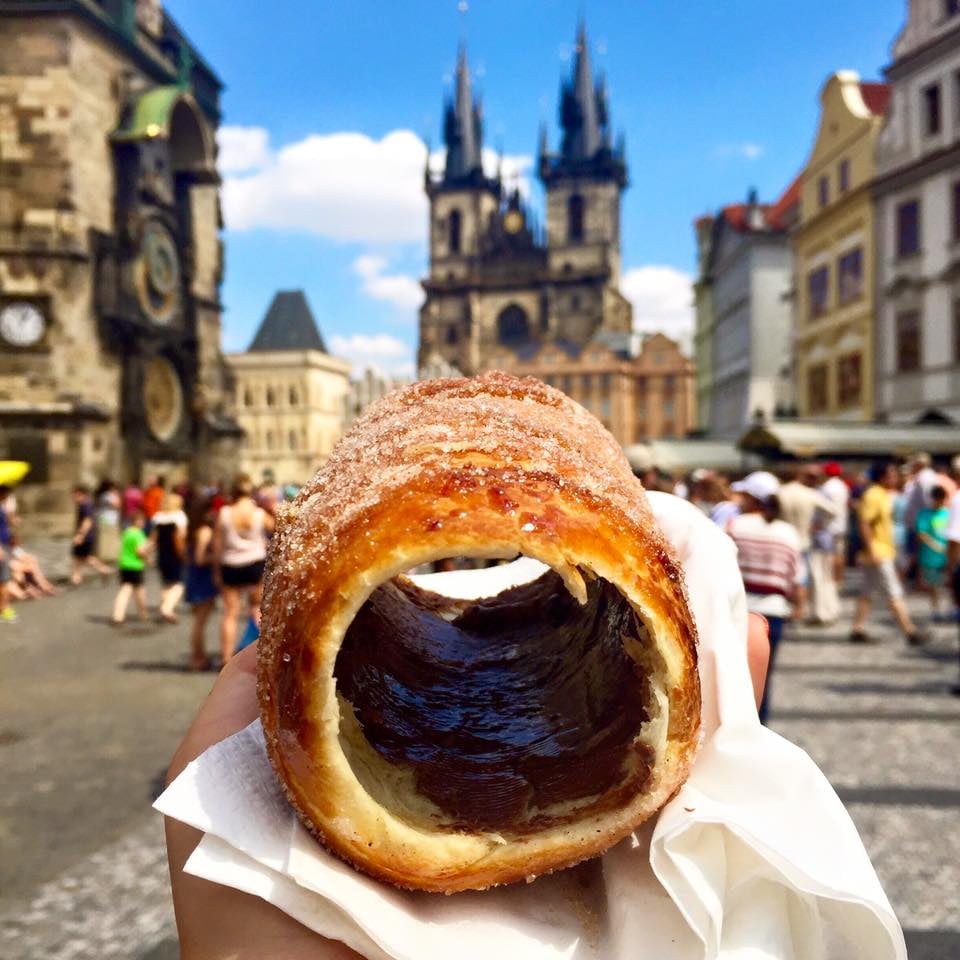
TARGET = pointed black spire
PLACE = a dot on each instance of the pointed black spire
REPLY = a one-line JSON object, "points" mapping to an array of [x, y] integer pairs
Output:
{"points": [[463, 129], [585, 148], [582, 134]]}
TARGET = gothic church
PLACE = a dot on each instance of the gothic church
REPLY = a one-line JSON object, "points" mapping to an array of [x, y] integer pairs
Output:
{"points": [[496, 281]]}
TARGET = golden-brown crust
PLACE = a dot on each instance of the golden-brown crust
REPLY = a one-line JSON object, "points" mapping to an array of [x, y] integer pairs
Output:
{"points": [[489, 466]]}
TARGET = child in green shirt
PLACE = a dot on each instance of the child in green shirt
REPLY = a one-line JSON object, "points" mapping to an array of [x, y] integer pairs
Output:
{"points": [[932, 541], [134, 549]]}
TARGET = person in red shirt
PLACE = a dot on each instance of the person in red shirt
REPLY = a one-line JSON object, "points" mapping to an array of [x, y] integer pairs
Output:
{"points": [[153, 498]]}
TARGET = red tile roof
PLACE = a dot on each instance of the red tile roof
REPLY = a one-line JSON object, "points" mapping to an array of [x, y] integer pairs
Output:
{"points": [[876, 96], [789, 199]]}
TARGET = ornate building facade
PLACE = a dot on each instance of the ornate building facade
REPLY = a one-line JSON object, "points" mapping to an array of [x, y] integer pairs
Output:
{"points": [[110, 256], [290, 394], [917, 202], [500, 290], [834, 254]]}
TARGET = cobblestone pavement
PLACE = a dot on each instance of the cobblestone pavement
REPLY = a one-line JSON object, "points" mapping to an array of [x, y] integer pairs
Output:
{"points": [[89, 717]]}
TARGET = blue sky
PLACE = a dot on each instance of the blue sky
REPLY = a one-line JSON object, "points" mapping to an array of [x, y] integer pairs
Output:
{"points": [[326, 104]]}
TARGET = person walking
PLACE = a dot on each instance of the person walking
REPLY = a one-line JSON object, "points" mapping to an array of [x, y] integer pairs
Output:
{"points": [[835, 489], [953, 553], [201, 591], [932, 523], [878, 556], [768, 553], [135, 547], [240, 551], [132, 502], [800, 501], [85, 538], [153, 496], [7, 612], [169, 537], [107, 505]]}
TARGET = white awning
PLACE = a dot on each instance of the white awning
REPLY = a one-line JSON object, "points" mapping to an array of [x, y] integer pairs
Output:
{"points": [[809, 438], [682, 456]]}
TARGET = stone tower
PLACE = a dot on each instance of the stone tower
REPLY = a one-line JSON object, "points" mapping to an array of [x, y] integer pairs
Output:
{"points": [[110, 254], [496, 279], [583, 183]]}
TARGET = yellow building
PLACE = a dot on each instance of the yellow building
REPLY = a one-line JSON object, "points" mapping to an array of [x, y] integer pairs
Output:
{"points": [[290, 394], [834, 256]]}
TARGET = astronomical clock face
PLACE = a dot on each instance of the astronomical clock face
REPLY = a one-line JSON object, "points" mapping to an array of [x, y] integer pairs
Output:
{"points": [[162, 398], [513, 221], [158, 273], [22, 324]]}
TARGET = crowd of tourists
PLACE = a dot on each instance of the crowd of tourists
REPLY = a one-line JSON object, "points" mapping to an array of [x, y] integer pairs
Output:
{"points": [[798, 534], [205, 544]]}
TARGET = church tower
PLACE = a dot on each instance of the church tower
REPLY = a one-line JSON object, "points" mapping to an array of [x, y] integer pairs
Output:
{"points": [[463, 202], [583, 184]]}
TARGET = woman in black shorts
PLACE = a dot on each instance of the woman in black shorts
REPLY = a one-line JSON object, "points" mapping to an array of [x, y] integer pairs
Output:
{"points": [[240, 551], [169, 536]]}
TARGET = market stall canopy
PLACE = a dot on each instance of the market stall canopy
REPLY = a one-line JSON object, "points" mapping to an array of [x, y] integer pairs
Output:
{"points": [[682, 456], [13, 471], [806, 439]]}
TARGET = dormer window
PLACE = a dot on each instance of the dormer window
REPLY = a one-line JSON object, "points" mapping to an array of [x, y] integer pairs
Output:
{"points": [[823, 192], [454, 226], [844, 175], [575, 218]]}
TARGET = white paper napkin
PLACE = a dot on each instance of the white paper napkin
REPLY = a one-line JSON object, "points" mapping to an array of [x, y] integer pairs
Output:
{"points": [[754, 858]]}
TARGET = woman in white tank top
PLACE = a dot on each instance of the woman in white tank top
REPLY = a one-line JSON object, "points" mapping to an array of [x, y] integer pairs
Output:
{"points": [[239, 551]]}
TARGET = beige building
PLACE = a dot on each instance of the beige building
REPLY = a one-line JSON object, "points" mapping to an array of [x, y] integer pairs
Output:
{"points": [[369, 387], [110, 256], [834, 254], [640, 389], [290, 394]]}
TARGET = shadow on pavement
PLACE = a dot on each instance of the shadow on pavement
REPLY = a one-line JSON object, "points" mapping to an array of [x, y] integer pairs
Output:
{"points": [[164, 666], [932, 944], [922, 689]]}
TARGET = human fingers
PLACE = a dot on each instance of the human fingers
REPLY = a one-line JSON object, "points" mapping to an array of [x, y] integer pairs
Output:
{"points": [[758, 653], [230, 706]]}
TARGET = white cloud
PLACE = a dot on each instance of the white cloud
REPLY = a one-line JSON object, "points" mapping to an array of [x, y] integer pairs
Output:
{"points": [[399, 289], [344, 186], [742, 151], [242, 149], [662, 299], [380, 351]]}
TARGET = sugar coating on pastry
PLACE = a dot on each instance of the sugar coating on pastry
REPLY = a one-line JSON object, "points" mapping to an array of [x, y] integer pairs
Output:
{"points": [[447, 745]]}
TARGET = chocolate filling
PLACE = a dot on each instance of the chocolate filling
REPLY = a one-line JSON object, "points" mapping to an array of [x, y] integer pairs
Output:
{"points": [[502, 708]]}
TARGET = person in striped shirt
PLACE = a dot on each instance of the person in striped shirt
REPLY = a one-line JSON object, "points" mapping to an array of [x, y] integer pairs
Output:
{"points": [[768, 553]]}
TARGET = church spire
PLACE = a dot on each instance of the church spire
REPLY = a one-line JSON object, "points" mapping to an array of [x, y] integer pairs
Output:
{"points": [[585, 148], [579, 111], [463, 128]]}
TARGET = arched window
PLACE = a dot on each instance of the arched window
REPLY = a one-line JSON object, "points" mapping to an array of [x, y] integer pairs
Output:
{"points": [[248, 397], [452, 335], [575, 218], [269, 439], [512, 326], [454, 225], [271, 397], [294, 398], [292, 438]]}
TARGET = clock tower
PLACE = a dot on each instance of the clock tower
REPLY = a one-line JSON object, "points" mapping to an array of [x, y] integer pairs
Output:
{"points": [[110, 256]]}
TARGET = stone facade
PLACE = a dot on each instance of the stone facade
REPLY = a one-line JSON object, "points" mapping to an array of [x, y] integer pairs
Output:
{"points": [[290, 404], [917, 330], [834, 254], [642, 389], [289, 394], [744, 313], [497, 281], [110, 255]]}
